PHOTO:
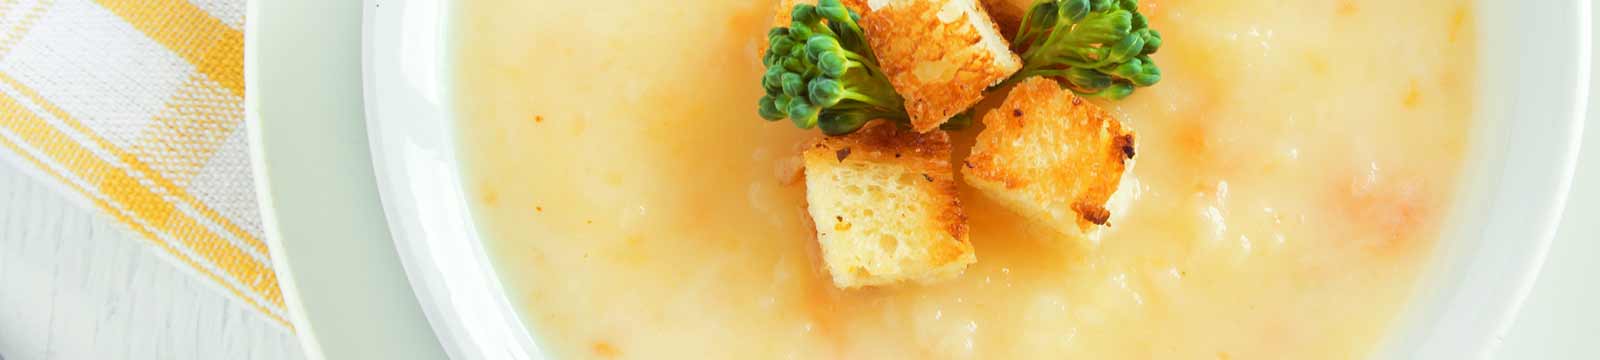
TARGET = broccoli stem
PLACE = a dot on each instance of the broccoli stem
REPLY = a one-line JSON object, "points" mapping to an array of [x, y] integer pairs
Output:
{"points": [[869, 99], [870, 64], [1100, 47]]}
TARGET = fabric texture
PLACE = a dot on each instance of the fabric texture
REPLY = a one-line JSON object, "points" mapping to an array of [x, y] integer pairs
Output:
{"points": [[136, 108]]}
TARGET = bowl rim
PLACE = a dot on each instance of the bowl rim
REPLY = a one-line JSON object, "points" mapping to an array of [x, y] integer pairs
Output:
{"points": [[346, 295], [1478, 280], [405, 64]]}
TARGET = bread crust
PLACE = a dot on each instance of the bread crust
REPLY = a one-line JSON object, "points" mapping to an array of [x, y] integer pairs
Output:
{"points": [[1051, 156], [936, 223], [940, 55]]}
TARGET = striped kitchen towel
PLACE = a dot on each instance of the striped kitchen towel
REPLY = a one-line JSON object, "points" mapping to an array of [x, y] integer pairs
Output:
{"points": [[136, 108]]}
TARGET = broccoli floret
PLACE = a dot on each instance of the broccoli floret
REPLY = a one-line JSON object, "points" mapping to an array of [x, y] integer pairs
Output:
{"points": [[1101, 47], [821, 73]]}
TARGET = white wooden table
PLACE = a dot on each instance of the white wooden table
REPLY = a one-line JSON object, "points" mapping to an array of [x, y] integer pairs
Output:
{"points": [[73, 285]]}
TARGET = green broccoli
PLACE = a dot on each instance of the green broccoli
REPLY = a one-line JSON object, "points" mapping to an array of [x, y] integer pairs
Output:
{"points": [[821, 73], [1101, 47]]}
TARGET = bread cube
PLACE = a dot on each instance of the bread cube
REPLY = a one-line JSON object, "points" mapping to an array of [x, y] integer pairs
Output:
{"points": [[1051, 156], [884, 204], [940, 55]]}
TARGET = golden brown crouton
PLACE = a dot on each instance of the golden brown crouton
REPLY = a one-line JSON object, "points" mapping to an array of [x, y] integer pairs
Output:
{"points": [[1051, 156], [939, 54], [884, 204]]}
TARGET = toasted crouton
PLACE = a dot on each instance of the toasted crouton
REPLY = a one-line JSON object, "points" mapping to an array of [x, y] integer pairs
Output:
{"points": [[1050, 156], [939, 54], [884, 204]]}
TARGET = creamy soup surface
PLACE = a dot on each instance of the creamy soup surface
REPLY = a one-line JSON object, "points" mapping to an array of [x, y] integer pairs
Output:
{"points": [[1293, 170]]}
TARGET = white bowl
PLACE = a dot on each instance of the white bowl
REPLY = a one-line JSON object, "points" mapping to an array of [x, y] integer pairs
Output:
{"points": [[1533, 83]]}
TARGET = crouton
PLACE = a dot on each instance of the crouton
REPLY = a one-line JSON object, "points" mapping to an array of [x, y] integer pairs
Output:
{"points": [[884, 204], [1051, 156], [940, 55]]}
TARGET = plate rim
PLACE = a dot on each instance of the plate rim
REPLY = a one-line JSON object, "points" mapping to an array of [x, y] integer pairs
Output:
{"points": [[298, 73]]}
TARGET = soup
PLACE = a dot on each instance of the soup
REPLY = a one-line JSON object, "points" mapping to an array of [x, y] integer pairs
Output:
{"points": [[1291, 181]]}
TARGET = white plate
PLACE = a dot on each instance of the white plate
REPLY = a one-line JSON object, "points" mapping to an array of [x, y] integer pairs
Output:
{"points": [[1535, 72], [347, 295]]}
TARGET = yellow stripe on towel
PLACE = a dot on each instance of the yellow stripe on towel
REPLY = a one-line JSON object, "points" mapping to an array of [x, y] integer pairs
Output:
{"points": [[16, 119], [126, 189], [214, 48], [141, 230]]}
